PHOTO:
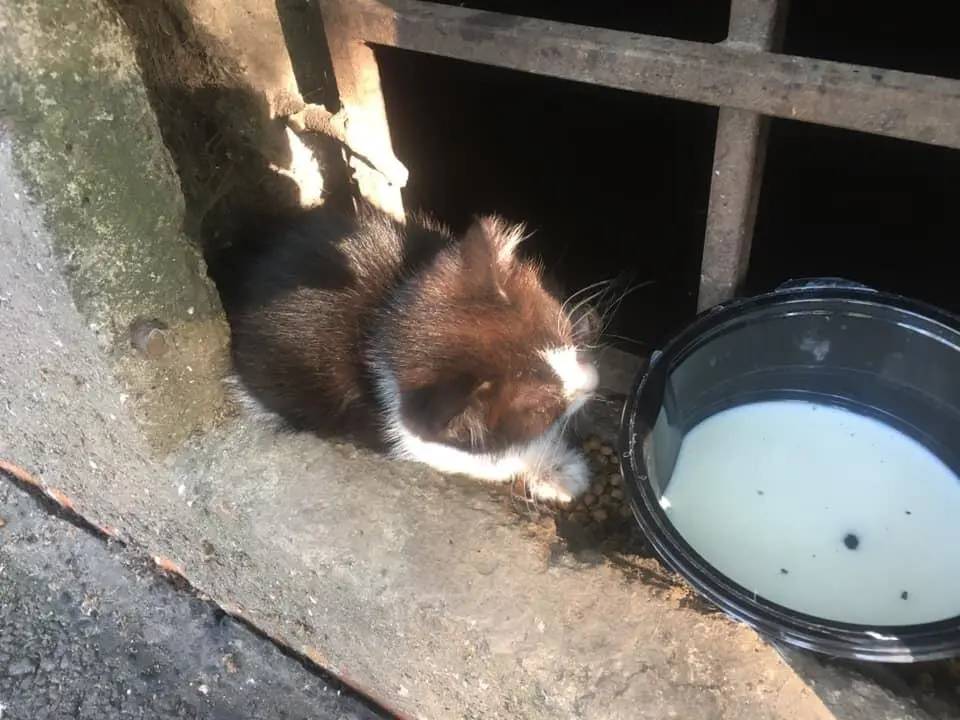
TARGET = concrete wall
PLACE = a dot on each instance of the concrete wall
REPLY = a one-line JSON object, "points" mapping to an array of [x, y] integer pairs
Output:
{"points": [[140, 124]]}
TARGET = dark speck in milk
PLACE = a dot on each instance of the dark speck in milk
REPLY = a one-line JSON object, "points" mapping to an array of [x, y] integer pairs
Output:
{"points": [[908, 512], [851, 541], [784, 571], [904, 595], [760, 492]]}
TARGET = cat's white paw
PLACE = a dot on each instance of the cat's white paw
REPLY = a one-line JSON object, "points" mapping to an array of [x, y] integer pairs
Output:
{"points": [[562, 481]]}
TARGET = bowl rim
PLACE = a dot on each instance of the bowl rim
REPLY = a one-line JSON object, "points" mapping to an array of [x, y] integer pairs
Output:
{"points": [[895, 644]]}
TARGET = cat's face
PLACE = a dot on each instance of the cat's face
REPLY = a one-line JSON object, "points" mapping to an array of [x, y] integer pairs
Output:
{"points": [[485, 357]]}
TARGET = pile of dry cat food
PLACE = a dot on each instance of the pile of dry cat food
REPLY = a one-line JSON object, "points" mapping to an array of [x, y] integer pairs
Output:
{"points": [[605, 506]]}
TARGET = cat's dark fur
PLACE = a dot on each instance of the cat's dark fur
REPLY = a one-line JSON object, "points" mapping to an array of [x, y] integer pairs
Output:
{"points": [[449, 350]]}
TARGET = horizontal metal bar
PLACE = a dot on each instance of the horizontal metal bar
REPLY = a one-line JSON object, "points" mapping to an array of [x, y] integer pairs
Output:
{"points": [[873, 100]]}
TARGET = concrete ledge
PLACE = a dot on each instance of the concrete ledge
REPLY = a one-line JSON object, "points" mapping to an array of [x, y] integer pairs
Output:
{"points": [[428, 592], [440, 596]]}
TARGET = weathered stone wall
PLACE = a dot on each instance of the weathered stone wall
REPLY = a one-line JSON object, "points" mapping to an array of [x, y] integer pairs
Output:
{"points": [[90, 144], [141, 125]]}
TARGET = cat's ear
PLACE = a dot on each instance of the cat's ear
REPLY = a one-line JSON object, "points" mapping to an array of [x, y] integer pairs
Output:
{"points": [[493, 241], [430, 409], [479, 258]]}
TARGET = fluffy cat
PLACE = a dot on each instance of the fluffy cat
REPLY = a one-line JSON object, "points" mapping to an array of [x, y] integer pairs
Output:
{"points": [[450, 351]]}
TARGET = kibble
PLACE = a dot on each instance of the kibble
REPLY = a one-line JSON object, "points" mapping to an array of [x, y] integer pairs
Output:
{"points": [[604, 505]]}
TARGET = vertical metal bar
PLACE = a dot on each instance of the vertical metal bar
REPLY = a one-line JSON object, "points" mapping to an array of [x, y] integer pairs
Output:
{"points": [[734, 192], [738, 162], [361, 97]]}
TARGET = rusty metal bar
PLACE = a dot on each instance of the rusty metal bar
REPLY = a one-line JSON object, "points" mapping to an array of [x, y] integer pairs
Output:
{"points": [[376, 170], [733, 75], [738, 161]]}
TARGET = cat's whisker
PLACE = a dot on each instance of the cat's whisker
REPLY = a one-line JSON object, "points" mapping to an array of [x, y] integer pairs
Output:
{"points": [[587, 288], [573, 297], [618, 299], [624, 338], [608, 313], [589, 298], [573, 312], [605, 299]]}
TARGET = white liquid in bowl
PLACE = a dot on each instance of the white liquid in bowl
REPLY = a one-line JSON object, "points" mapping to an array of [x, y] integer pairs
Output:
{"points": [[823, 511]]}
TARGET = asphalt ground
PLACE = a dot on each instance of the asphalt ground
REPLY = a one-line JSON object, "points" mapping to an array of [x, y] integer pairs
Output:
{"points": [[90, 631]]}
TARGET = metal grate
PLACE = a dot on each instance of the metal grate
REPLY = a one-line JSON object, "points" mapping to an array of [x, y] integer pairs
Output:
{"points": [[743, 76]]}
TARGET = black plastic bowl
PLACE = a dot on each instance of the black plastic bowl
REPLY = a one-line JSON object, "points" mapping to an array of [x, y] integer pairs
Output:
{"points": [[890, 357]]}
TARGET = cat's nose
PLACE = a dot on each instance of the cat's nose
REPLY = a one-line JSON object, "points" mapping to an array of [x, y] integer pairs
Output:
{"points": [[587, 379], [579, 378], [582, 380]]}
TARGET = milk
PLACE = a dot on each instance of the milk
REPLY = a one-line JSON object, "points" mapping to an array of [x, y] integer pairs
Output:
{"points": [[823, 511]]}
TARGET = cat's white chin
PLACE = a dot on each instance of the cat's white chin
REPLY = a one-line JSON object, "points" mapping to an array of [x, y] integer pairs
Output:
{"points": [[551, 469]]}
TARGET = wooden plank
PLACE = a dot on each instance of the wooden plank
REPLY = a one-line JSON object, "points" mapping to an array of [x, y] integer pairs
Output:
{"points": [[734, 75], [366, 130]]}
